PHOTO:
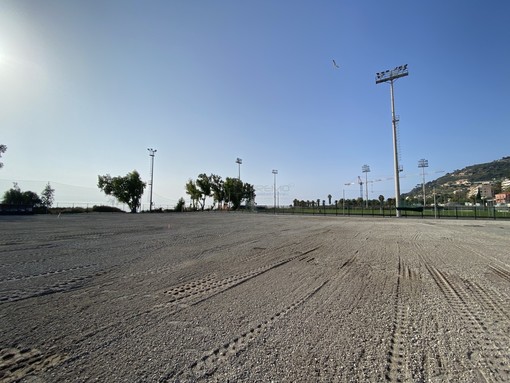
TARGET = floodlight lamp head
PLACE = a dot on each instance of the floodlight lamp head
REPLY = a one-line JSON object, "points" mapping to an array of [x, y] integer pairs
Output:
{"points": [[423, 163], [388, 75]]}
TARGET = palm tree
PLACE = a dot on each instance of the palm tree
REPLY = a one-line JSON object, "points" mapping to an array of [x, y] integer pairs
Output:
{"points": [[329, 198]]}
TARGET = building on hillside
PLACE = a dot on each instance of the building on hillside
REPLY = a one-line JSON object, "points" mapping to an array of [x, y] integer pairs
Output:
{"points": [[502, 199], [484, 188], [505, 184]]}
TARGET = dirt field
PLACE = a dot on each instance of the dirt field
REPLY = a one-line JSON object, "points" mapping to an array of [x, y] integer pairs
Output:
{"points": [[258, 298]]}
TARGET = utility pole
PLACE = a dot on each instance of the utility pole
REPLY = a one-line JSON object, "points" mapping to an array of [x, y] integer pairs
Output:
{"points": [[151, 154], [390, 76]]}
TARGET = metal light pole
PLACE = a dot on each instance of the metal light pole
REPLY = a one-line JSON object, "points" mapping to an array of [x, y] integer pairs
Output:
{"points": [[365, 169], [275, 172], [239, 161], [392, 75], [423, 163], [151, 154]]}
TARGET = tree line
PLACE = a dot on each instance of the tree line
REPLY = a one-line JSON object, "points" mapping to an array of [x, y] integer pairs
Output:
{"points": [[355, 202], [129, 190], [14, 196], [231, 191]]}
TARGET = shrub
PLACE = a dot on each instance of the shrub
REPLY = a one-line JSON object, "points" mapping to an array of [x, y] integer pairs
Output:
{"points": [[106, 209]]}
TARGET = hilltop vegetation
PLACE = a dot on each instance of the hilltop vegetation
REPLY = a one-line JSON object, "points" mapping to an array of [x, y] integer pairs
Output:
{"points": [[455, 186]]}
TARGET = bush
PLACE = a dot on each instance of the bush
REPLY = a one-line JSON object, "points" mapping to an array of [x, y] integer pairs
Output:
{"points": [[106, 209], [180, 205]]}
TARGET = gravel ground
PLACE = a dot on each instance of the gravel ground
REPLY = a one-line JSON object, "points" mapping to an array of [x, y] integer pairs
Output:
{"points": [[249, 297]]}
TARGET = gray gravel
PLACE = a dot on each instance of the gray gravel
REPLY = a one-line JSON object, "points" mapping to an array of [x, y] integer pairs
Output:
{"points": [[225, 297]]}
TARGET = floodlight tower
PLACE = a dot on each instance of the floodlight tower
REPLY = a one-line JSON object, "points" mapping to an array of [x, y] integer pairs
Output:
{"points": [[390, 76], [275, 172], [151, 154], [239, 161], [423, 163], [365, 169]]}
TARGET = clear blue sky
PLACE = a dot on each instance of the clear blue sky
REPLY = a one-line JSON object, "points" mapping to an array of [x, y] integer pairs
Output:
{"points": [[87, 86]]}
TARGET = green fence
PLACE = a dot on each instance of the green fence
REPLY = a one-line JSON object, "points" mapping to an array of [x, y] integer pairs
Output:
{"points": [[440, 212]]}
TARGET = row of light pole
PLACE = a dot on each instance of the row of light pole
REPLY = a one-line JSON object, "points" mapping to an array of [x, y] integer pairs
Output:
{"points": [[423, 163], [239, 161], [384, 76]]}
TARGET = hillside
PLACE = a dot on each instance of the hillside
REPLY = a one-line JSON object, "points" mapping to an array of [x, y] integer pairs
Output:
{"points": [[455, 185]]}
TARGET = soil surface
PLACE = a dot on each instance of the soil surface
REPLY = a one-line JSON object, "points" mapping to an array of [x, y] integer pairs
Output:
{"points": [[254, 298]]}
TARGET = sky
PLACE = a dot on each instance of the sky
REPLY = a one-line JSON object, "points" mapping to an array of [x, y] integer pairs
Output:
{"points": [[86, 87]]}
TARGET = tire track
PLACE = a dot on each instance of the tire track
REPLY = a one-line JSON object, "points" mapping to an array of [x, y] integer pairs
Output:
{"points": [[198, 291], [470, 302], [184, 296], [397, 368], [16, 363], [47, 273], [61, 286], [500, 272], [205, 366]]}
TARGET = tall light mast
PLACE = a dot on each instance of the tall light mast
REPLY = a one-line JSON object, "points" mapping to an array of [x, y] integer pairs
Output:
{"points": [[151, 154], [423, 163], [275, 172], [365, 169], [390, 76], [239, 161]]}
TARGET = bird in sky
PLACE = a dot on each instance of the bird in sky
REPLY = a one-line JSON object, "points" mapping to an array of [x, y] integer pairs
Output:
{"points": [[335, 64]]}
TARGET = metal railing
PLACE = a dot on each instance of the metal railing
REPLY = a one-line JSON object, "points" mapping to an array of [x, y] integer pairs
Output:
{"points": [[440, 212]]}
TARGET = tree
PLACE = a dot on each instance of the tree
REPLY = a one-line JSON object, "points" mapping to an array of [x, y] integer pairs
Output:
{"points": [[204, 185], [47, 196], [329, 198], [236, 191], [180, 205], [249, 193], [217, 188], [194, 192], [3, 148], [128, 189], [15, 196]]}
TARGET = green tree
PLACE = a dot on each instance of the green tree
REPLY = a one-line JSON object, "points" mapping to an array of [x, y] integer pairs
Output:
{"points": [[236, 192], [217, 188], [47, 196], [15, 196], [194, 192], [203, 183], [233, 191], [249, 193], [3, 148], [128, 189], [329, 198], [180, 205]]}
